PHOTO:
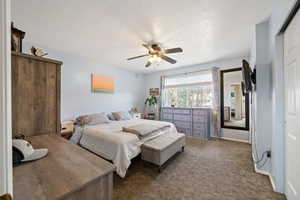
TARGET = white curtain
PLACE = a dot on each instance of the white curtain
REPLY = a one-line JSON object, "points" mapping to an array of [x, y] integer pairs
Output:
{"points": [[162, 86], [216, 103]]}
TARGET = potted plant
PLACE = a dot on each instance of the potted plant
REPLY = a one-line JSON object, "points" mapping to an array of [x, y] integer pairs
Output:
{"points": [[151, 102]]}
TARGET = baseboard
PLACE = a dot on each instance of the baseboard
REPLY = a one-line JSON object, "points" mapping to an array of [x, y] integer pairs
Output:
{"points": [[259, 171], [272, 183], [235, 135], [235, 140]]}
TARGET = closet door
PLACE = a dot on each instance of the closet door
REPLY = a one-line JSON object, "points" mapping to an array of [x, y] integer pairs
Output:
{"points": [[292, 108], [36, 96]]}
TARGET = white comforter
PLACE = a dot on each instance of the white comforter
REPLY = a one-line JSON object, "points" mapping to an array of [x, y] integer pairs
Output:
{"points": [[110, 142]]}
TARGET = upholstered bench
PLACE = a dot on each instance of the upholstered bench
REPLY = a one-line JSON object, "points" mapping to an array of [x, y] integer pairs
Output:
{"points": [[160, 149]]}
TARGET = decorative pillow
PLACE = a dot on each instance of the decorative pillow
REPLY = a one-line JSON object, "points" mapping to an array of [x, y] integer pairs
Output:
{"points": [[99, 118], [111, 117], [121, 115], [75, 138]]}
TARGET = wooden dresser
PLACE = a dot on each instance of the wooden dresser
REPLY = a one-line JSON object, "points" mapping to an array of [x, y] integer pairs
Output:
{"points": [[68, 172], [35, 95], [194, 122]]}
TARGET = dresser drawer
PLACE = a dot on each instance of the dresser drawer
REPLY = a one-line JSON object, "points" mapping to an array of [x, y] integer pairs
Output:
{"points": [[182, 111], [167, 110], [180, 124], [186, 131], [178, 117], [200, 112], [199, 125], [200, 133], [194, 122], [167, 116], [200, 118]]}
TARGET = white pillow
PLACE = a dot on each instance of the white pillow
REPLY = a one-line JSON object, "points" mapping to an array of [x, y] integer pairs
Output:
{"points": [[93, 119], [121, 115], [100, 118]]}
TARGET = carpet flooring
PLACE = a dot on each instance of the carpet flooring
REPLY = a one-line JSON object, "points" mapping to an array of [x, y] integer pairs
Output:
{"points": [[206, 170]]}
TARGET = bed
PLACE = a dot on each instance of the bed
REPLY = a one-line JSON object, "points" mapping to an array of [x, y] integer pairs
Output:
{"points": [[110, 142]]}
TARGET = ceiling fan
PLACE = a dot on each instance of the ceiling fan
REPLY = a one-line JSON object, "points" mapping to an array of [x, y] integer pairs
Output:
{"points": [[156, 54]]}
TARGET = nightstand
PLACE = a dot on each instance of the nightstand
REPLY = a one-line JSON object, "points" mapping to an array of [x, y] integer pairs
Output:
{"points": [[150, 116], [137, 115], [67, 129]]}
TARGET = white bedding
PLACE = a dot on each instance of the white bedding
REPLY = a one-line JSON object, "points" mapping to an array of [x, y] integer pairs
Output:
{"points": [[110, 142]]}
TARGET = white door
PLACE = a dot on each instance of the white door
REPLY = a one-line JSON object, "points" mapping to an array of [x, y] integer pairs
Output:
{"points": [[292, 107]]}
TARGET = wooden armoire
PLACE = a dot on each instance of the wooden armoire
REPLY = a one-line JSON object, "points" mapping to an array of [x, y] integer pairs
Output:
{"points": [[35, 95]]}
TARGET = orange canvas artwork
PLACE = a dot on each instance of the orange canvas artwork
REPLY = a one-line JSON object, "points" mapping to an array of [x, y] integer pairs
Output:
{"points": [[102, 84]]}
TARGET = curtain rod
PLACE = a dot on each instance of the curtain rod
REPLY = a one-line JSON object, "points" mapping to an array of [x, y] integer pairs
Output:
{"points": [[186, 73]]}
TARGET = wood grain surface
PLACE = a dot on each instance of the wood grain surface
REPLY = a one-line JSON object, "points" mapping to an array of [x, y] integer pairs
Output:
{"points": [[35, 95], [67, 172]]}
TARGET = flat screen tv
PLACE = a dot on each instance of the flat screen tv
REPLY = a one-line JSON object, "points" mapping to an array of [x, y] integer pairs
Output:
{"points": [[243, 88], [247, 77]]}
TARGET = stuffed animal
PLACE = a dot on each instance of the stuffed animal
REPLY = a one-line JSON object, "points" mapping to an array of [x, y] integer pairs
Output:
{"points": [[38, 52]]}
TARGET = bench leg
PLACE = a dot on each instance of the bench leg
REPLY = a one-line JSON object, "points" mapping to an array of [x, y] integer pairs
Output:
{"points": [[159, 169]]}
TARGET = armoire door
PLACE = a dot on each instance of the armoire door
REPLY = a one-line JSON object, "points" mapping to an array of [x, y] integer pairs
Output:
{"points": [[35, 96]]}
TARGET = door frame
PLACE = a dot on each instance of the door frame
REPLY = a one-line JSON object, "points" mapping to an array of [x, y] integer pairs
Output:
{"points": [[6, 184], [246, 128]]}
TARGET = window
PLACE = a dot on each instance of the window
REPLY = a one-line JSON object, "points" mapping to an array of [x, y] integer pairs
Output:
{"points": [[188, 90]]}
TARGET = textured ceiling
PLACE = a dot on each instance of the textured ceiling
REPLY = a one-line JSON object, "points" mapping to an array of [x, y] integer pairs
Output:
{"points": [[109, 31]]}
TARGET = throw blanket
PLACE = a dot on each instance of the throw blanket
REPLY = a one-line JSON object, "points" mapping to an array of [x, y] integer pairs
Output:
{"points": [[110, 142], [145, 129]]}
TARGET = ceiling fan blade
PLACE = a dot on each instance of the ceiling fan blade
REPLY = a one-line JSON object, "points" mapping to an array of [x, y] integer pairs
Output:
{"points": [[138, 57], [174, 50], [168, 59], [148, 64]]}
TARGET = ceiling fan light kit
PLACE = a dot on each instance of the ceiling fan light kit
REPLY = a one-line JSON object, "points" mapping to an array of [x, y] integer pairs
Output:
{"points": [[155, 59], [157, 54]]}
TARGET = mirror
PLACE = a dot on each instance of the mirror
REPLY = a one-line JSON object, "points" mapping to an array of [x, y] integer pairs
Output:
{"points": [[234, 103]]}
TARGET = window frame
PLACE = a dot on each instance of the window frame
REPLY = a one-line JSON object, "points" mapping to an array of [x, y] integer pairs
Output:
{"points": [[186, 74]]}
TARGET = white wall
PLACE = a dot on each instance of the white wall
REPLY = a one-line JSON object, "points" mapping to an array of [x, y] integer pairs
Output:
{"points": [[5, 100], [77, 97]]}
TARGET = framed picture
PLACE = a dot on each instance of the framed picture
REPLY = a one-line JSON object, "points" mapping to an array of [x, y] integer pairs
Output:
{"points": [[154, 92], [102, 84]]}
